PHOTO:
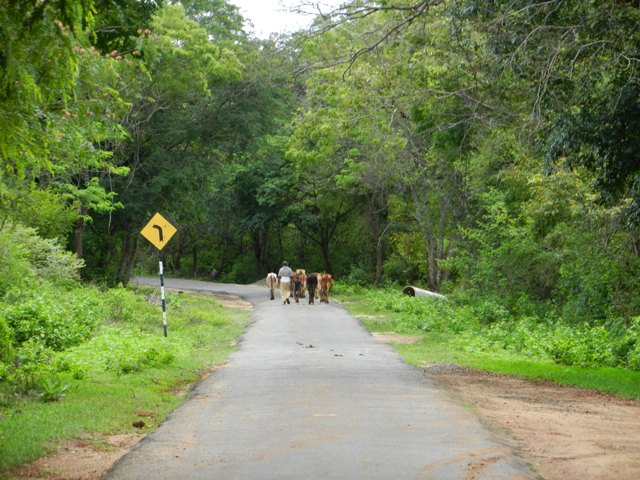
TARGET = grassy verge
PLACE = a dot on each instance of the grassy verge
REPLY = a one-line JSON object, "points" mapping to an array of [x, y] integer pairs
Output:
{"points": [[125, 375], [439, 347], [618, 381]]}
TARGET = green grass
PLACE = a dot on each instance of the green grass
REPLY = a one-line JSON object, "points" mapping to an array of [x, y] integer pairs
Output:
{"points": [[618, 381], [436, 347], [201, 335]]}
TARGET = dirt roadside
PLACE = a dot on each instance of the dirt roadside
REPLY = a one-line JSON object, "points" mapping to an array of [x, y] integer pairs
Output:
{"points": [[564, 433]]}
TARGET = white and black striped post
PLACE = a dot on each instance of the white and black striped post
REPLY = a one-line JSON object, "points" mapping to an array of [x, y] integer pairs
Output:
{"points": [[159, 231], [164, 308]]}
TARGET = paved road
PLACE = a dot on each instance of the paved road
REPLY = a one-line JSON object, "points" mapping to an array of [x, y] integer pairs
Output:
{"points": [[310, 394]]}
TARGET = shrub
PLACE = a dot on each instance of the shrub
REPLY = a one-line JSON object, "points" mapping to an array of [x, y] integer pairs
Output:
{"points": [[396, 268], [629, 346], [52, 390], [53, 318], [6, 341], [489, 312], [121, 350], [15, 269], [123, 305], [48, 259], [25, 257], [419, 314], [32, 370], [582, 346], [358, 276], [633, 358]]}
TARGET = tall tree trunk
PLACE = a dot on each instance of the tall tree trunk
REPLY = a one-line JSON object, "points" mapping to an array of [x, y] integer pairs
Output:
{"points": [[127, 257], [78, 234], [379, 260], [194, 261], [433, 273], [326, 258], [260, 244], [377, 217], [423, 216]]}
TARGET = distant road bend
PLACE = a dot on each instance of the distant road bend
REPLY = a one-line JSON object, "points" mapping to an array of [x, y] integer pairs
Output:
{"points": [[310, 394]]}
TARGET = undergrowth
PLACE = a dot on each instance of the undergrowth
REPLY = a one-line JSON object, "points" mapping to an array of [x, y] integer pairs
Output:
{"points": [[601, 355], [78, 375]]}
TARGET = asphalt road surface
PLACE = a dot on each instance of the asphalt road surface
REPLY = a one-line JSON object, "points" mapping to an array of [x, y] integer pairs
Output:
{"points": [[310, 394]]}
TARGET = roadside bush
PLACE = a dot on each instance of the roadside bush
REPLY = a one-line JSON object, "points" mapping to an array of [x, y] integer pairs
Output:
{"points": [[489, 312], [15, 270], [120, 350], [624, 337], [54, 318], [47, 259], [582, 346], [484, 325], [6, 341], [27, 259], [358, 276], [420, 314], [396, 268], [242, 271], [123, 305], [30, 373], [633, 358]]}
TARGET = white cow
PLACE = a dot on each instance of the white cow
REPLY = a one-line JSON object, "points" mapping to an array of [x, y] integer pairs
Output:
{"points": [[272, 282]]}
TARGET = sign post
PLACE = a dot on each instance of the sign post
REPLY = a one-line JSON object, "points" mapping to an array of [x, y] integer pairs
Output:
{"points": [[159, 231]]}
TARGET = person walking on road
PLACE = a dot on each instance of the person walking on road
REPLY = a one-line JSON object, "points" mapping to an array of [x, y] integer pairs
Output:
{"points": [[284, 280]]}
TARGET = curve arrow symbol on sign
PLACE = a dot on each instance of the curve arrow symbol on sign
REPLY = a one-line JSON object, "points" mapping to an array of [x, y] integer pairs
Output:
{"points": [[159, 228]]}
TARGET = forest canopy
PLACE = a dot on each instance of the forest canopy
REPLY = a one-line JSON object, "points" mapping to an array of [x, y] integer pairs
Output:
{"points": [[483, 147]]}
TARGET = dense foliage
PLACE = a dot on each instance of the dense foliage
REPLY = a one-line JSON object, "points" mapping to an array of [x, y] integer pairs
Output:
{"points": [[486, 149], [489, 327]]}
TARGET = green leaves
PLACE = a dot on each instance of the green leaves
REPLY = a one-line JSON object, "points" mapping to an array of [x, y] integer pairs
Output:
{"points": [[182, 60]]}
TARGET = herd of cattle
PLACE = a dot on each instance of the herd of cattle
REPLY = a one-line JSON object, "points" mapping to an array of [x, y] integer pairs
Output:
{"points": [[316, 284]]}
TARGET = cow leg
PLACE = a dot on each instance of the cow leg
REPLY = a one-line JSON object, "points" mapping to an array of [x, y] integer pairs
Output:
{"points": [[311, 294], [272, 295], [325, 296]]}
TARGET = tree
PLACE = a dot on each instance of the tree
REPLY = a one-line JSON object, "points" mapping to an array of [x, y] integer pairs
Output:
{"points": [[59, 102], [165, 156]]}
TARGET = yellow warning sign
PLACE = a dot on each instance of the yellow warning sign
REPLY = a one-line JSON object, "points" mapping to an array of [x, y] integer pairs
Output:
{"points": [[158, 231]]}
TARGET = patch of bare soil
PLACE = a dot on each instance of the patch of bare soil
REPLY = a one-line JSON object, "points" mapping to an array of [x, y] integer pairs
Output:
{"points": [[392, 337], [564, 433], [225, 299], [81, 459], [232, 301]]}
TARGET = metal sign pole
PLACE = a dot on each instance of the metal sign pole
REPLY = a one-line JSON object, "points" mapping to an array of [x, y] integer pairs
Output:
{"points": [[159, 231], [164, 308]]}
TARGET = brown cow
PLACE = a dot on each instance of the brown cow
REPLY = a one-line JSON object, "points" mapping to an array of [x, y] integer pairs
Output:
{"points": [[325, 281], [302, 286], [295, 286], [272, 282]]}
